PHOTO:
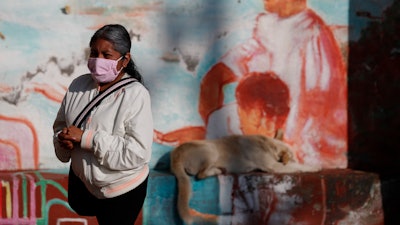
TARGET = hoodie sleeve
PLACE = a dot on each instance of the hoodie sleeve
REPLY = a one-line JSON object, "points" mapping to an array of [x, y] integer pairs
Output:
{"points": [[62, 154]]}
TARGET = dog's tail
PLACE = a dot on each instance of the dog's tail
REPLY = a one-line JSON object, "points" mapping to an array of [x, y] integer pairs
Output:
{"points": [[188, 215], [184, 186]]}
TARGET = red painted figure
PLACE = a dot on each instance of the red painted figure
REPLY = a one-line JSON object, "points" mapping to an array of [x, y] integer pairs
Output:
{"points": [[290, 75]]}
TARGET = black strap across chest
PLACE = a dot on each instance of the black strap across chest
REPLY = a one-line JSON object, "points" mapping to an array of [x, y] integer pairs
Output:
{"points": [[97, 100]]}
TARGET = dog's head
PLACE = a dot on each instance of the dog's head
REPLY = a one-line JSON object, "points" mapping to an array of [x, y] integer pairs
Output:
{"points": [[277, 148]]}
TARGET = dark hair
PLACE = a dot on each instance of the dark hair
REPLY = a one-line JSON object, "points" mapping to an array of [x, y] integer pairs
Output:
{"points": [[264, 91], [121, 40]]}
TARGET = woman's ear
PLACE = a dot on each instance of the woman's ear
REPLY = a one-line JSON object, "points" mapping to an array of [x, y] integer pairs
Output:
{"points": [[127, 58]]}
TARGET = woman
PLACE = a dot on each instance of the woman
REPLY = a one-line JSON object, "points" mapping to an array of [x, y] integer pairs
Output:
{"points": [[111, 150]]}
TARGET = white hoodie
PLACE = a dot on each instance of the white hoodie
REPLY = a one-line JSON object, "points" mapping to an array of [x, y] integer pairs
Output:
{"points": [[115, 149]]}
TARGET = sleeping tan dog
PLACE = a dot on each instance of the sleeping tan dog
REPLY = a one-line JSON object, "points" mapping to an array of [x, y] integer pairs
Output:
{"points": [[231, 154]]}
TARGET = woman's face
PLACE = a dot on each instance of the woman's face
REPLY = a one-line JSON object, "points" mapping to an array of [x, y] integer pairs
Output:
{"points": [[103, 49]]}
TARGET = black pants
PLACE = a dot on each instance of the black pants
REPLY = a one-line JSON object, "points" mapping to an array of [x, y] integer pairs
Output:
{"points": [[121, 210]]}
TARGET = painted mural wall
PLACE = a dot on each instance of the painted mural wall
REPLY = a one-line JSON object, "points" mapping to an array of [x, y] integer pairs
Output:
{"points": [[213, 68]]}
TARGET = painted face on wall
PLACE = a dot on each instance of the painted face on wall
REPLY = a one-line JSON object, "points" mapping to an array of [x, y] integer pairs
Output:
{"points": [[263, 103], [284, 7], [272, 5]]}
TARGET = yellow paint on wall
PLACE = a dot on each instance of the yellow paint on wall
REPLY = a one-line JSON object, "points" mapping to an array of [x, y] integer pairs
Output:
{"points": [[6, 184]]}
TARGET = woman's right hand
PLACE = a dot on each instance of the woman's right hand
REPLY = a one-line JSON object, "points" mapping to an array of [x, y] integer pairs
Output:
{"points": [[65, 140]]}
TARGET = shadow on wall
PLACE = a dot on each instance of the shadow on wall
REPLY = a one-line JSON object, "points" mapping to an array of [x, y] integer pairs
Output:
{"points": [[180, 32], [374, 109]]}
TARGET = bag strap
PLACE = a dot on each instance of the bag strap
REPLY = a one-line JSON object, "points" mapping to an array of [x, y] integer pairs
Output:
{"points": [[97, 100]]}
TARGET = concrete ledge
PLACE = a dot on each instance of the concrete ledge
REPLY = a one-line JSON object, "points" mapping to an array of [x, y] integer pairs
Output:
{"points": [[329, 197]]}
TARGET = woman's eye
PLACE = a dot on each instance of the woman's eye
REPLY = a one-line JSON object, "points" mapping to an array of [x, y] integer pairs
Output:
{"points": [[108, 56]]}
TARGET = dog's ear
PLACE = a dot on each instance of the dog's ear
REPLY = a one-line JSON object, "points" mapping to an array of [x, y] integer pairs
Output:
{"points": [[279, 135]]}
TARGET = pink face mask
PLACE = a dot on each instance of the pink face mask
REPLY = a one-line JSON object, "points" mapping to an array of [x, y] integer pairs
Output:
{"points": [[103, 70]]}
